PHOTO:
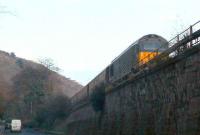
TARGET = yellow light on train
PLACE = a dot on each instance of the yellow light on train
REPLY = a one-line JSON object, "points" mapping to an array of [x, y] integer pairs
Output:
{"points": [[144, 57]]}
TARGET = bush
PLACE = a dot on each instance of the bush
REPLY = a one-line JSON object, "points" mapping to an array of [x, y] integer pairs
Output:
{"points": [[20, 63], [56, 108], [12, 54], [97, 98]]}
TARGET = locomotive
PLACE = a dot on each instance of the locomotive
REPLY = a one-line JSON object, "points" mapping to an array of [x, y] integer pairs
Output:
{"points": [[138, 53]]}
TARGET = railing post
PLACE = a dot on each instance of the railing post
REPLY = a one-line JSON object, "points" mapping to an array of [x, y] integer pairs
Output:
{"points": [[178, 38], [191, 31]]}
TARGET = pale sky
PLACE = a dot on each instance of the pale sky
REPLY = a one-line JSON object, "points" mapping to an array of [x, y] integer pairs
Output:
{"points": [[84, 36]]}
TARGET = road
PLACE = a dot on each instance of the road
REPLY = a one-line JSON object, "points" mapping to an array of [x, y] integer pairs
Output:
{"points": [[24, 132]]}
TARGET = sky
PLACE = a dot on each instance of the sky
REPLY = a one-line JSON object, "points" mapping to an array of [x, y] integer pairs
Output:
{"points": [[84, 36]]}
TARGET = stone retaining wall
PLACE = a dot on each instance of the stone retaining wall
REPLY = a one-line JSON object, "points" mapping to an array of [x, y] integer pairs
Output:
{"points": [[163, 102]]}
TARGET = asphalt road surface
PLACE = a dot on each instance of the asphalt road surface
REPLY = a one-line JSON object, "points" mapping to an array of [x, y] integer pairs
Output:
{"points": [[24, 132]]}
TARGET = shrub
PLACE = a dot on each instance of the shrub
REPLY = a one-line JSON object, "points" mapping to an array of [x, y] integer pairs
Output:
{"points": [[97, 98], [20, 63], [12, 54], [57, 107]]}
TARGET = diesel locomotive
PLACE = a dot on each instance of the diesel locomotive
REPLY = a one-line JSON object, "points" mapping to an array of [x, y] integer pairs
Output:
{"points": [[138, 53]]}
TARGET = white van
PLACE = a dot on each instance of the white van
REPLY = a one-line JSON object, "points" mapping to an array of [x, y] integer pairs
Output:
{"points": [[16, 125]]}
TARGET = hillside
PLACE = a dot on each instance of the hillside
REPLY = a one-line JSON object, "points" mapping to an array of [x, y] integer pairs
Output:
{"points": [[10, 66]]}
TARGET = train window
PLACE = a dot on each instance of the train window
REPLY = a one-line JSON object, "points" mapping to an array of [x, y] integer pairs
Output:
{"points": [[151, 46], [111, 70]]}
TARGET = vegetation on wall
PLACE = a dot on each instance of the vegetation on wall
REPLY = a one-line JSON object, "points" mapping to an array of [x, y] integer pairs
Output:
{"points": [[97, 98]]}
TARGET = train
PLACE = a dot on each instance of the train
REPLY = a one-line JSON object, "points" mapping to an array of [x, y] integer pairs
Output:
{"points": [[138, 53]]}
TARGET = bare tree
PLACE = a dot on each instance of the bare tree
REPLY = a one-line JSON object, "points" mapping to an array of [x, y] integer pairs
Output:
{"points": [[49, 64]]}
